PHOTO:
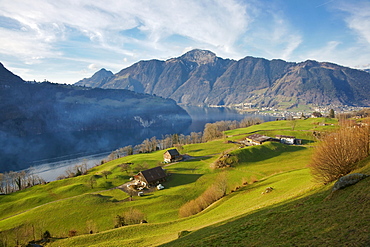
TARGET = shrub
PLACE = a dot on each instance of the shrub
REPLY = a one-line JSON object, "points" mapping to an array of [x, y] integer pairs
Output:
{"points": [[119, 221], [131, 217], [338, 153], [225, 160], [72, 233], [213, 193], [46, 235]]}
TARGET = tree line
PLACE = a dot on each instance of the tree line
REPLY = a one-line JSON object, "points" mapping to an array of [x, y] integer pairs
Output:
{"points": [[211, 131], [15, 181]]}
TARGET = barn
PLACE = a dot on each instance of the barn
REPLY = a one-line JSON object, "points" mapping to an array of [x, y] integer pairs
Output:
{"points": [[151, 176], [172, 155]]}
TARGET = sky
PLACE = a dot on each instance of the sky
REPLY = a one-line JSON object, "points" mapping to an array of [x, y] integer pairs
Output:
{"points": [[67, 40]]}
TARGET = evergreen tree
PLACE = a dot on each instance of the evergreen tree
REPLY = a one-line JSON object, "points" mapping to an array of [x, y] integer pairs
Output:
{"points": [[331, 113]]}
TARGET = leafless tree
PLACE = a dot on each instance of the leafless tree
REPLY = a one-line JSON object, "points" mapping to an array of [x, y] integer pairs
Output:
{"points": [[126, 167], [92, 181], [106, 173], [339, 152]]}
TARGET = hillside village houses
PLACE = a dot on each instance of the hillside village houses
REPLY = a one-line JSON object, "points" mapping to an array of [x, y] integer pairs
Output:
{"points": [[257, 139], [154, 176]]}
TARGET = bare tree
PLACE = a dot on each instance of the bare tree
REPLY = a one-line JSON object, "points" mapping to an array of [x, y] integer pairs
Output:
{"points": [[2, 183], [338, 153], [106, 173], [126, 167], [92, 181]]}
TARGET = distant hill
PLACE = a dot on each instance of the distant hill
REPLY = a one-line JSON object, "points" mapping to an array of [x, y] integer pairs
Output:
{"points": [[55, 112], [199, 77], [99, 78]]}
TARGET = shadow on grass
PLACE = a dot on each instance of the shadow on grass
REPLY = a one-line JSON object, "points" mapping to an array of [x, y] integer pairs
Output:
{"points": [[313, 220], [198, 158], [178, 179], [265, 151]]}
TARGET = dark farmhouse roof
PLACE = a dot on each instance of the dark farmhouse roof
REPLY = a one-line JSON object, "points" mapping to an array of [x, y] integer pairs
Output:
{"points": [[173, 152], [259, 138], [153, 174]]}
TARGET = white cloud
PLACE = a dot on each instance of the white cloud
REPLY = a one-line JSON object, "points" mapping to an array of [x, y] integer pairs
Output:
{"points": [[93, 66], [79, 33], [102, 21], [352, 47], [83, 34], [324, 53], [358, 17], [27, 46], [272, 36]]}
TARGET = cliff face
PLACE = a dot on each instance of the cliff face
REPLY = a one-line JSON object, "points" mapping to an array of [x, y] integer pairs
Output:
{"points": [[200, 77]]}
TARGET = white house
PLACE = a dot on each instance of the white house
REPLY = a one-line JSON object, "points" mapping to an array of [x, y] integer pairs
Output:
{"points": [[288, 139]]}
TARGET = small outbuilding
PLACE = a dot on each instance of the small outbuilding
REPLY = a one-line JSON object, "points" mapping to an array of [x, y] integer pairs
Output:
{"points": [[289, 140], [172, 155], [151, 176], [257, 139]]}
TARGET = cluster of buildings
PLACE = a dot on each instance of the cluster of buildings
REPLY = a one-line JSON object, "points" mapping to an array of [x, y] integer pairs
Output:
{"points": [[155, 176], [257, 139]]}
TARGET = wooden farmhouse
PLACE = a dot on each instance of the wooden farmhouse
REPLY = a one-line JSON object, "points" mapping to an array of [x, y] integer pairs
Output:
{"points": [[172, 155], [151, 176], [257, 139], [291, 140]]}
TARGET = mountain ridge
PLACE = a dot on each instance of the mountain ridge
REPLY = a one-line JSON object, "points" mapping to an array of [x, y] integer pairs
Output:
{"points": [[46, 120], [199, 77]]}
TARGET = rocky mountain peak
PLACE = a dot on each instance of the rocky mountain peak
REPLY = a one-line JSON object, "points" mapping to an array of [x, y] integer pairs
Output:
{"points": [[199, 56], [101, 74], [98, 77]]}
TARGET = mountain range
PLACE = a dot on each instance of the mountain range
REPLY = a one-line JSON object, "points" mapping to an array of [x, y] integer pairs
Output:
{"points": [[46, 120], [199, 77]]}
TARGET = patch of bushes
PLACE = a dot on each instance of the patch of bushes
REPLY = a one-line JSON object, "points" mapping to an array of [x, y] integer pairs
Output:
{"points": [[225, 160], [131, 217], [339, 153], [213, 193]]}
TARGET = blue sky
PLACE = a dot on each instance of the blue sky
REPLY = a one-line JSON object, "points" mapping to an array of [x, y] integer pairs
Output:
{"points": [[65, 41]]}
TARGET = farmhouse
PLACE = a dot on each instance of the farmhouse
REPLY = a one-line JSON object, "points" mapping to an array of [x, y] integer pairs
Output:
{"points": [[151, 176], [171, 156], [257, 139], [288, 139]]}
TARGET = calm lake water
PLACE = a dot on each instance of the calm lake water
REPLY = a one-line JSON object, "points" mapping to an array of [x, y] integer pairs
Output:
{"points": [[70, 149]]}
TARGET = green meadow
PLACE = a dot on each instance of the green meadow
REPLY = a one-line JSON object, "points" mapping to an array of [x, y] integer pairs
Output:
{"points": [[292, 213]]}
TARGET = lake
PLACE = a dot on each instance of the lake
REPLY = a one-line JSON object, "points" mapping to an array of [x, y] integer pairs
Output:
{"points": [[57, 152]]}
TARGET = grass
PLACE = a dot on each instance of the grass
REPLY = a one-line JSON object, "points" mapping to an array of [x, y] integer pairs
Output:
{"points": [[71, 204], [316, 219]]}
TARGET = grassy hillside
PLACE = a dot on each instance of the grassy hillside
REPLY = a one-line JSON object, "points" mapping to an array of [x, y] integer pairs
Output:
{"points": [[319, 218], [240, 218]]}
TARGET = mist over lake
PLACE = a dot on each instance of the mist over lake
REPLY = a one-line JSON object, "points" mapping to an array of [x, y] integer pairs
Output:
{"points": [[50, 155]]}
